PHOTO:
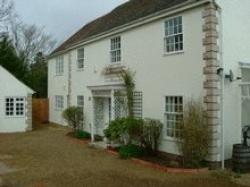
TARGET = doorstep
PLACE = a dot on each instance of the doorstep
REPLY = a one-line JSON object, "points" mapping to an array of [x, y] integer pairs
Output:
{"points": [[99, 145]]}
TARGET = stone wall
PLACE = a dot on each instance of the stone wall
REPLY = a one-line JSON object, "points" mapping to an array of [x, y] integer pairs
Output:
{"points": [[212, 79], [29, 112]]}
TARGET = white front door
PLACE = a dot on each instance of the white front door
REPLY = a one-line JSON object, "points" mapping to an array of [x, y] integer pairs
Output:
{"points": [[102, 114]]}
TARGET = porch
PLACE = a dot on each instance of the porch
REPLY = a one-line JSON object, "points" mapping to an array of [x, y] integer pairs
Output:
{"points": [[108, 103]]}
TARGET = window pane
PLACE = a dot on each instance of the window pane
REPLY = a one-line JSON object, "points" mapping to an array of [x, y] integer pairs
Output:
{"points": [[115, 49], [174, 35], [174, 116]]}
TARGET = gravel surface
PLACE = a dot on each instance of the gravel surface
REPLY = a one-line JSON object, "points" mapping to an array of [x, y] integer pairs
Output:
{"points": [[47, 157]]}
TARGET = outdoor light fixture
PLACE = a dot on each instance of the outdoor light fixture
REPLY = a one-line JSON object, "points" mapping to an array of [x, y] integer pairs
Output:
{"points": [[219, 70], [230, 76]]}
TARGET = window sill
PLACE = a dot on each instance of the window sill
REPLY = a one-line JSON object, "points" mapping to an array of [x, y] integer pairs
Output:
{"points": [[59, 75], [115, 64], [169, 139], [58, 110], [173, 53], [14, 117], [80, 69]]}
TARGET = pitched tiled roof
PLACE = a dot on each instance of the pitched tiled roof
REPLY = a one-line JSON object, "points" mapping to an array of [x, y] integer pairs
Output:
{"points": [[123, 14]]}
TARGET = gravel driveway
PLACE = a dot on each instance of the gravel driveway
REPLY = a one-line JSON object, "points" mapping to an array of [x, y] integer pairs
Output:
{"points": [[47, 157]]}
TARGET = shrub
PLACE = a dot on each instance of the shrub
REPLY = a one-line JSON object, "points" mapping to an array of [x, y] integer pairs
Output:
{"points": [[124, 128], [115, 129], [152, 130], [73, 116], [195, 135], [82, 134], [130, 150]]}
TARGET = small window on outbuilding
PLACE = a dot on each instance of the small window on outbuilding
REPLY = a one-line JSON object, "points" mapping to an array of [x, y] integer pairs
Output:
{"points": [[15, 106]]}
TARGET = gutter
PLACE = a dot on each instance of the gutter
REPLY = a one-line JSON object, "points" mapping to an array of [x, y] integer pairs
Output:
{"points": [[139, 22]]}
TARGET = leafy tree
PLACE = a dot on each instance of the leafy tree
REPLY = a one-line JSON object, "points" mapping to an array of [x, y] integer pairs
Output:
{"points": [[11, 61], [38, 74]]}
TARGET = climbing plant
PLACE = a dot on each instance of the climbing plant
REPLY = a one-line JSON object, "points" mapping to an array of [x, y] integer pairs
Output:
{"points": [[129, 82]]}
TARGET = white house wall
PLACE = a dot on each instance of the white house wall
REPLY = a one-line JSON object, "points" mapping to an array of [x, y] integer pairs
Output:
{"points": [[236, 45], [11, 87], [157, 74], [57, 85]]}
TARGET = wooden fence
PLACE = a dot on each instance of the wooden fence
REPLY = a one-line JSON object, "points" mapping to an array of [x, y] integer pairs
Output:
{"points": [[40, 110]]}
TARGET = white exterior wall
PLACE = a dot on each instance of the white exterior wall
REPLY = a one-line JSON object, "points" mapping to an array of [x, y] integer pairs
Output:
{"points": [[11, 87], [57, 85], [236, 45], [157, 74]]}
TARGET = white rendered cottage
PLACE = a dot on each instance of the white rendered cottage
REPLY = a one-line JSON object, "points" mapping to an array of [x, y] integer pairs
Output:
{"points": [[15, 104], [179, 49]]}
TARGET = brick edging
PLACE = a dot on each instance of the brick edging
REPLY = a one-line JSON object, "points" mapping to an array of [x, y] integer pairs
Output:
{"points": [[162, 168]]}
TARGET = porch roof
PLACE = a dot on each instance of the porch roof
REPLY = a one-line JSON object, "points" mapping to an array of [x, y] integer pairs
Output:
{"points": [[106, 87], [245, 65]]}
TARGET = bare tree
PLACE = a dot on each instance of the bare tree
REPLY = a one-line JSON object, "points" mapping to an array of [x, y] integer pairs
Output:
{"points": [[32, 39], [6, 10], [6, 7], [28, 40]]}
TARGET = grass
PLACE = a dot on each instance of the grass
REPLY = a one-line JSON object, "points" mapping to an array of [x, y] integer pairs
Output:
{"points": [[47, 157]]}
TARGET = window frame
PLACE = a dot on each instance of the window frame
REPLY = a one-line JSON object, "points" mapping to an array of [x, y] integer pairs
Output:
{"points": [[59, 65], [166, 128], [173, 35], [81, 106], [82, 58], [59, 106], [116, 49], [15, 105]]}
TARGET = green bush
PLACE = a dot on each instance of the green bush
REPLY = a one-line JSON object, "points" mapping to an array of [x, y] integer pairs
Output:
{"points": [[115, 129], [152, 130], [130, 150], [73, 115], [82, 134], [119, 128], [195, 135]]}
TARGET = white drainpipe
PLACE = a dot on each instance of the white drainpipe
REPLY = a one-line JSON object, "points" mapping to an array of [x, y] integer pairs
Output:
{"points": [[222, 88]]}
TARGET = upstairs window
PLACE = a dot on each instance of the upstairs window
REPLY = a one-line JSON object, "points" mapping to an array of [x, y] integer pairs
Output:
{"points": [[174, 35], [59, 102], [15, 106], [115, 51], [173, 116], [80, 58], [59, 65]]}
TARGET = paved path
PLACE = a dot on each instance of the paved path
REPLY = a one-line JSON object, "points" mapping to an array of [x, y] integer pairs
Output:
{"points": [[4, 169]]}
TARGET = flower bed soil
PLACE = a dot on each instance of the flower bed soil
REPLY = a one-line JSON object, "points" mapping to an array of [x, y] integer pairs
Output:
{"points": [[160, 162]]}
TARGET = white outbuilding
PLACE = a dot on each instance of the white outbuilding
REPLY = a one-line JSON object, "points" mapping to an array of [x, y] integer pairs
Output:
{"points": [[15, 104]]}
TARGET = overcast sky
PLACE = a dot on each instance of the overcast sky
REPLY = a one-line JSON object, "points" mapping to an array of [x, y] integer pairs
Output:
{"points": [[62, 18]]}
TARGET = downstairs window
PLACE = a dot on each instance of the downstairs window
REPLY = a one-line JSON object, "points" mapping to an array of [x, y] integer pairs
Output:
{"points": [[173, 116]]}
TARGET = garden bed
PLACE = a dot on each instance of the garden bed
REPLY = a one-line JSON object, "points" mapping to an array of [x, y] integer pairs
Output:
{"points": [[74, 139], [161, 162]]}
